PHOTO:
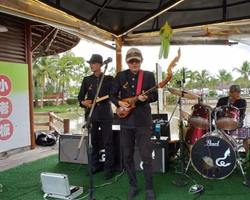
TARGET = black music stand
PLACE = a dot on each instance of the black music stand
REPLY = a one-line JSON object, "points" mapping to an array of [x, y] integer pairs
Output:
{"points": [[181, 182]]}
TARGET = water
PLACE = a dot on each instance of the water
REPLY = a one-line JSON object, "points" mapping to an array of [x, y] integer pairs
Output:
{"points": [[76, 121]]}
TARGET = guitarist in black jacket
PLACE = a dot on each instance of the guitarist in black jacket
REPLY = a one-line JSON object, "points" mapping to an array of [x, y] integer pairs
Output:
{"points": [[137, 125], [102, 115]]}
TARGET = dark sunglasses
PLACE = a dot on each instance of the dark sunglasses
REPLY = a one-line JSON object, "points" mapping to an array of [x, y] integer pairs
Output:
{"points": [[134, 61]]}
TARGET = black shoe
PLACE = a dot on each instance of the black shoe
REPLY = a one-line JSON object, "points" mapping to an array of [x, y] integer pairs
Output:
{"points": [[150, 195], [108, 175], [95, 171], [133, 192]]}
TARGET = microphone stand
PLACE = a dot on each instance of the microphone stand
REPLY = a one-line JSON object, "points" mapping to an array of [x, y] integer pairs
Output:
{"points": [[88, 125], [181, 182]]}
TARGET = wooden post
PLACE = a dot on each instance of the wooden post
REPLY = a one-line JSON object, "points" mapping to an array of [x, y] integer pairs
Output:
{"points": [[66, 126], [28, 45], [51, 119], [118, 54]]}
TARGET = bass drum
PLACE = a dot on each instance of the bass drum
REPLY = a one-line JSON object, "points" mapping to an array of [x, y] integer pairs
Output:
{"points": [[214, 155]]}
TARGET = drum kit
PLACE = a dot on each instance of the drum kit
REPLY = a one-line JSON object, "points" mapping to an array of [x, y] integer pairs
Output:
{"points": [[214, 138]]}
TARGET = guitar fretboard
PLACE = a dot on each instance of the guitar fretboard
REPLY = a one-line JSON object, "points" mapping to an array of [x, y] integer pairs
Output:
{"points": [[144, 93]]}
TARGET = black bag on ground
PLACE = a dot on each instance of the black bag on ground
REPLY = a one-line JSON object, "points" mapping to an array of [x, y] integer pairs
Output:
{"points": [[45, 138]]}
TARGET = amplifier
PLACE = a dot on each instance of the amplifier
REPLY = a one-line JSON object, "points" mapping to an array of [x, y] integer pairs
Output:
{"points": [[160, 155], [68, 144]]}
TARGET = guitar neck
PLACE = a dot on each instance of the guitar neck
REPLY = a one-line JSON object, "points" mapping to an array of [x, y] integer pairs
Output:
{"points": [[102, 98], [144, 93]]}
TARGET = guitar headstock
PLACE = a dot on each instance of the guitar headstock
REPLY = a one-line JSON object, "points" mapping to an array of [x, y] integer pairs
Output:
{"points": [[174, 61], [169, 70]]}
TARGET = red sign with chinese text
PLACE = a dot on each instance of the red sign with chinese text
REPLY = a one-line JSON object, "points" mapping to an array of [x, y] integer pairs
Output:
{"points": [[5, 85], [6, 129], [5, 107]]}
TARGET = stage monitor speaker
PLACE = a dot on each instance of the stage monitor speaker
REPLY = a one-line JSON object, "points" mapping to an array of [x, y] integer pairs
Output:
{"points": [[162, 119], [160, 155], [68, 144]]}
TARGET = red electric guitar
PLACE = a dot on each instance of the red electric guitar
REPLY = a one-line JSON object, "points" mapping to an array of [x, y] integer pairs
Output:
{"points": [[132, 101]]}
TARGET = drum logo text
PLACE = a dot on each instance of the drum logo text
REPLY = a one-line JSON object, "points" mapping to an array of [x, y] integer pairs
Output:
{"points": [[212, 144]]}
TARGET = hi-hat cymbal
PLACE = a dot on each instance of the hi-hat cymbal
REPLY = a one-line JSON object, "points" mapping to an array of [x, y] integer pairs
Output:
{"points": [[185, 114], [186, 94]]}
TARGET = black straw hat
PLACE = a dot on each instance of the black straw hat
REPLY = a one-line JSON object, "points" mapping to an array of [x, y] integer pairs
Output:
{"points": [[96, 58]]}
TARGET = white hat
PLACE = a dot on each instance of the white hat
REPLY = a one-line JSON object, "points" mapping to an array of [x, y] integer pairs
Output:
{"points": [[133, 53]]}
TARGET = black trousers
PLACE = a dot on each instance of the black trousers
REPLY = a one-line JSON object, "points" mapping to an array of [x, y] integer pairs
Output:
{"points": [[142, 135], [107, 139]]}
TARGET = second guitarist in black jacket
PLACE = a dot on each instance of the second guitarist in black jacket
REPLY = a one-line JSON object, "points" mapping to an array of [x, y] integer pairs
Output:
{"points": [[102, 116], [137, 125]]}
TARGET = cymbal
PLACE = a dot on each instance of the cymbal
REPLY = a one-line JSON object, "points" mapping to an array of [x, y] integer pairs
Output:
{"points": [[184, 114], [186, 94]]}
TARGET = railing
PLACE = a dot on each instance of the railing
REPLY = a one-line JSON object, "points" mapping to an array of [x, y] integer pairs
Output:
{"points": [[50, 124]]}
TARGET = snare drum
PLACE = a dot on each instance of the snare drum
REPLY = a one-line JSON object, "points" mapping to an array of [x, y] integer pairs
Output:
{"points": [[200, 116], [214, 155], [227, 117], [240, 133]]}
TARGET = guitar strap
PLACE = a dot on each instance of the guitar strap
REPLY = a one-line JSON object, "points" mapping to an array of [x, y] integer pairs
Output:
{"points": [[139, 83]]}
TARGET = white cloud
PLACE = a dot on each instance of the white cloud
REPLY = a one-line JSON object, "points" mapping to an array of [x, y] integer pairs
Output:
{"points": [[195, 57]]}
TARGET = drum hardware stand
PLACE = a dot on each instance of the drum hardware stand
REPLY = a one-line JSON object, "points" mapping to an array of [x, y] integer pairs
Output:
{"points": [[168, 125], [239, 162], [181, 182], [246, 182]]}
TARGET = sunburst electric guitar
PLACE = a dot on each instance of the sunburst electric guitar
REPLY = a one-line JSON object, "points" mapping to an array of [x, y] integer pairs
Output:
{"points": [[132, 101]]}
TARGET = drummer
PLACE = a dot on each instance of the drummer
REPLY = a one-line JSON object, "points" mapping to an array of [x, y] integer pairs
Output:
{"points": [[238, 102]]}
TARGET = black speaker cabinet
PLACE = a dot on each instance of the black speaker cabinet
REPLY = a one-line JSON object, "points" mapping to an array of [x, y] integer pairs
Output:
{"points": [[160, 155], [68, 145], [162, 119]]}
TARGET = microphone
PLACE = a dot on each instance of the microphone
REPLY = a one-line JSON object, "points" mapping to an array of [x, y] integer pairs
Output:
{"points": [[183, 80], [107, 61]]}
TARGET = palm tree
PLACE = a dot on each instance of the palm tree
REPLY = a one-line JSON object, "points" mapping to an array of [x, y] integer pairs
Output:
{"points": [[213, 82], [44, 70], [191, 75], [176, 76], [244, 71], [224, 76], [203, 77], [69, 68]]}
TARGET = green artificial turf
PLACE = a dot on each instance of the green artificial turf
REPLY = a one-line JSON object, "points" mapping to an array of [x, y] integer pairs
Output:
{"points": [[23, 183]]}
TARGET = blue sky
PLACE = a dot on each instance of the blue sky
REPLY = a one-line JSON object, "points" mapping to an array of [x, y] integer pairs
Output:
{"points": [[195, 57]]}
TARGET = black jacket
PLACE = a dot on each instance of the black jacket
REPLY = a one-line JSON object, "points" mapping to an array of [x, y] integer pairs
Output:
{"points": [[125, 83], [102, 111], [240, 103]]}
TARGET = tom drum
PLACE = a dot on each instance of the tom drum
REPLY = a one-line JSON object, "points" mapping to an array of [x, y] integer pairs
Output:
{"points": [[227, 117], [200, 116]]}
